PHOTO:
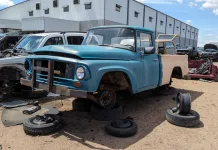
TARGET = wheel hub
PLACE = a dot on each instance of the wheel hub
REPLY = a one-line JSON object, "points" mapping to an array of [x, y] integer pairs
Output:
{"points": [[107, 99], [121, 124], [42, 120]]}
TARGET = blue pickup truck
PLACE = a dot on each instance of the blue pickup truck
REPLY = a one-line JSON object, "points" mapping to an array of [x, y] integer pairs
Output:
{"points": [[111, 59]]}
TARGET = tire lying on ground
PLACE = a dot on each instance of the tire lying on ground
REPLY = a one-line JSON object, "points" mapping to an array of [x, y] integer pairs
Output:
{"points": [[121, 128], [82, 104], [42, 125], [106, 114], [37, 93], [192, 119], [183, 102]]}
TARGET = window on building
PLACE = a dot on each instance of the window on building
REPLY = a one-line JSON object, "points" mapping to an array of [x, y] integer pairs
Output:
{"points": [[118, 8], [46, 11], [136, 14], [30, 13], [38, 6], [161, 22], [55, 3], [177, 28], [170, 25], [75, 40], [66, 8], [54, 41], [76, 1], [188, 31], [88, 5], [150, 19], [183, 29]]}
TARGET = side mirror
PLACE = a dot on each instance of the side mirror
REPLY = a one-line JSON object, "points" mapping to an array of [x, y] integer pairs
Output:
{"points": [[149, 50]]}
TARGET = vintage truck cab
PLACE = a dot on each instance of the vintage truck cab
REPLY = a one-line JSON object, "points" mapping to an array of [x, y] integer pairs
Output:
{"points": [[111, 59]]}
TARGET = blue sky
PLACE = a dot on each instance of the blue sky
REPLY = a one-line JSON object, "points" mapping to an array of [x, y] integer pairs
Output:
{"points": [[202, 14]]}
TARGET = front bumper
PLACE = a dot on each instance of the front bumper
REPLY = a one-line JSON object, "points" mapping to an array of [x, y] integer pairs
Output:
{"points": [[55, 89]]}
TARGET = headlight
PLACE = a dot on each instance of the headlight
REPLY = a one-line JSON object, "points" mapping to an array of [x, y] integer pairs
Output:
{"points": [[80, 73], [27, 65]]}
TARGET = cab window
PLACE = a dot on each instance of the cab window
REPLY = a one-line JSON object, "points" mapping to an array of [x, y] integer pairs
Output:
{"points": [[54, 41], [75, 40]]}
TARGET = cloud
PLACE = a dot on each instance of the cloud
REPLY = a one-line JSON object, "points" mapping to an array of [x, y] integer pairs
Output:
{"points": [[209, 4], [188, 21], [209, 34], [191, 4], [6, 3]]}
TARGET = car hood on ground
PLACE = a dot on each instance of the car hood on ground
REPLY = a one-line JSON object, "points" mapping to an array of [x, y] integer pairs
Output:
{"points": [[88, 52]]}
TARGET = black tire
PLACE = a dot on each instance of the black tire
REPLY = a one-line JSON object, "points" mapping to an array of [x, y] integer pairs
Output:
{"points": [[32, 128], [106, 114], [190, 120], [82, 104], [183, 102], [126, 129], [37, 93]]}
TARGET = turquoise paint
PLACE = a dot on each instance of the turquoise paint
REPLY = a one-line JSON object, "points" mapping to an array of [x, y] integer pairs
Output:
{"points": [[144, 73]]}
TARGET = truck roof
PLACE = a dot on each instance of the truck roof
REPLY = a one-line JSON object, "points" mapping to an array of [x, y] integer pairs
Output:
{"points": [[124, 26]]}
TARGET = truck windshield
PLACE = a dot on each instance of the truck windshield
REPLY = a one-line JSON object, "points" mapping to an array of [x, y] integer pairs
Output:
{"points": [[29, 43], [123, 38]]}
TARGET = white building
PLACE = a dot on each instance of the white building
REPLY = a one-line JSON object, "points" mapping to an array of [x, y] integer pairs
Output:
{"points": [[80, 15]]}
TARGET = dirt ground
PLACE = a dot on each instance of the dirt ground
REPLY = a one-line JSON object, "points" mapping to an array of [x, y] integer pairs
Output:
{"points": [[154, 132]]}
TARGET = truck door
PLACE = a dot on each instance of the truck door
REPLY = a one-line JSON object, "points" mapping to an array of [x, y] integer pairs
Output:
{"points": [[150, 61]]}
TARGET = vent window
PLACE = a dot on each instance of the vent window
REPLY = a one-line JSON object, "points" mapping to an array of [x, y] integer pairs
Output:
{"points": [[88, 5], [66, 8], [30, 13], [47, 11], [161, 23], [150, 19], [118, 8], [136, 14]]}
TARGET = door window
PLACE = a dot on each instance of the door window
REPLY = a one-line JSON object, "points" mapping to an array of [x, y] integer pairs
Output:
{"points": [[54, 41], [75, 40]]}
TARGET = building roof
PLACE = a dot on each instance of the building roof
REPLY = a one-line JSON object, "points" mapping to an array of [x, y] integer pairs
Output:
{"points": [[123, 26]]}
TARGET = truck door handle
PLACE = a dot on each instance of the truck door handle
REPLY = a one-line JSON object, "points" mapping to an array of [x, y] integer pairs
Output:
{"points": [[155, 59]]}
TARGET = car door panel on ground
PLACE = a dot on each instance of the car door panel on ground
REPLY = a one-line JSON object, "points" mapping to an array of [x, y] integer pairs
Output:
{"points": [[150, 61]]}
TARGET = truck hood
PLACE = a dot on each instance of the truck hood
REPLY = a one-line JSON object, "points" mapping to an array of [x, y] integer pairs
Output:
{"points": [[88, 52], [12, 60]]}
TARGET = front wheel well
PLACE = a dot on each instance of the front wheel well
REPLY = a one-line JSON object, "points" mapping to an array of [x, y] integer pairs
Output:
{"points": [[116, 80], [177, 73]]}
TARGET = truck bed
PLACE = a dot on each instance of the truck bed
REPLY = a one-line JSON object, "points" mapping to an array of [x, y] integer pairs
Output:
{"points": [[169, 62]]}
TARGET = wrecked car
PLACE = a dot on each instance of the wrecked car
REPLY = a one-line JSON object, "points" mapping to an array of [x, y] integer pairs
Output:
{"points": [[111, 59], [12, 66], [8, 41]]}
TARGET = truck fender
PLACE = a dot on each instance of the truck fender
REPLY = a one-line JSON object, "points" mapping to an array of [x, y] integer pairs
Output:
{"points": [[102, 71]]}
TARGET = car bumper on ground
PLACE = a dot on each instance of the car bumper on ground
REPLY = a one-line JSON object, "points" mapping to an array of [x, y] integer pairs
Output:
{"points": [[55, 89]]}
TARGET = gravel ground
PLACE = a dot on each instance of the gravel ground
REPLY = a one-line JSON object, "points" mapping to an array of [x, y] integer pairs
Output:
{"points": [[154, 132]]}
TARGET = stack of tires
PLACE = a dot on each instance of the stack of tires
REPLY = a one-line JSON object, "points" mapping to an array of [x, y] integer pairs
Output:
{"points": [[182, 115], [116, 126]]}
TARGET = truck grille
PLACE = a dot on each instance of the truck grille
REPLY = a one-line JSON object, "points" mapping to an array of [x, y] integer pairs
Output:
{"points": [[62, 70]]}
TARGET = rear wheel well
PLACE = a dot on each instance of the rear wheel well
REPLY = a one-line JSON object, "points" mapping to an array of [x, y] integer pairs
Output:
{"points": [[177, 73]]}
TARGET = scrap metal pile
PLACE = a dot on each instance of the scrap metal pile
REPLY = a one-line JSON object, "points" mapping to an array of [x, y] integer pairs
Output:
{"points": [[203, 69]]}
